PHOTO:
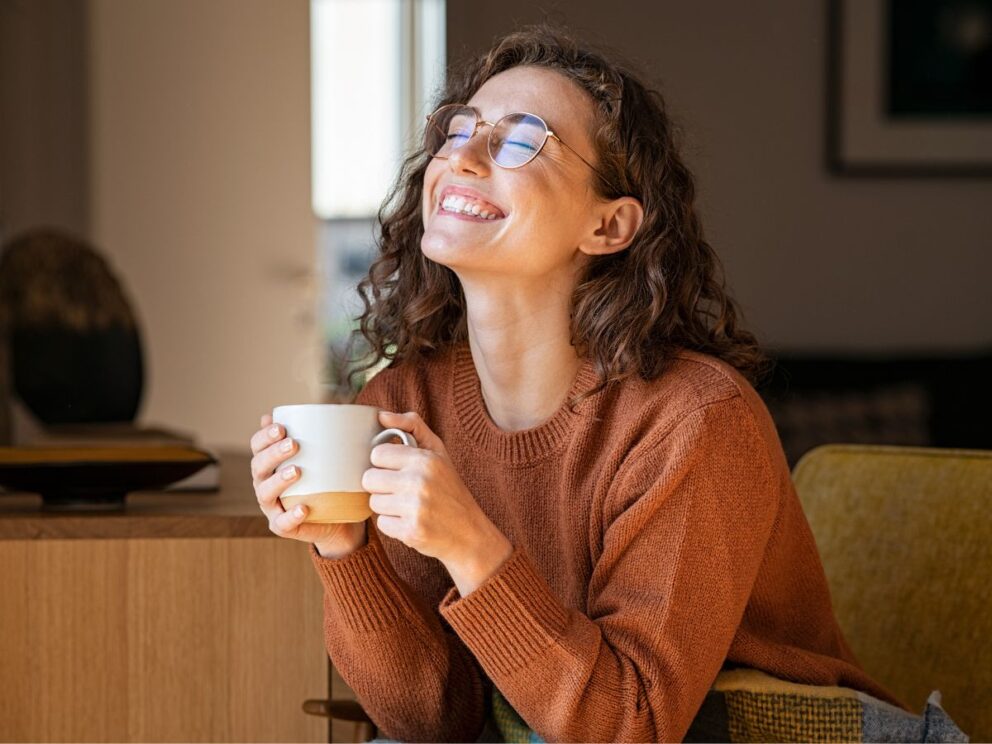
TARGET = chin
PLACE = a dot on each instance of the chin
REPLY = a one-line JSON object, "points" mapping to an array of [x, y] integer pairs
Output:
{"points": [[454, 254], [441, 249]]}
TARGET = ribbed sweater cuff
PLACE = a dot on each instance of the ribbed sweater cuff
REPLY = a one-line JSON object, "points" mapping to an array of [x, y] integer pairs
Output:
{"points": [[363, 587], [510, 618]]}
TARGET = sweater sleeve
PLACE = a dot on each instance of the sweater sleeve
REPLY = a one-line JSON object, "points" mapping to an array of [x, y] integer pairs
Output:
{"points": [[413, 678], [684, 529]]}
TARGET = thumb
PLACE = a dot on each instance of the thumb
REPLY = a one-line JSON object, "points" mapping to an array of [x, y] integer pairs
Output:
{"points": [[413, 423]]}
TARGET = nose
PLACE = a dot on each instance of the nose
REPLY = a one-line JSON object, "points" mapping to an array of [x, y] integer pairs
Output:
{"points": [[473, 155]]}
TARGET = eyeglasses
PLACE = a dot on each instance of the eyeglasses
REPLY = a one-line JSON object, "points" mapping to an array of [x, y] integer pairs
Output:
{"points": [[514, 140]]}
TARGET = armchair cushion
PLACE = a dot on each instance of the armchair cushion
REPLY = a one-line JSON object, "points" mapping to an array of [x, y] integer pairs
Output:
{"points": [[748, 705]]}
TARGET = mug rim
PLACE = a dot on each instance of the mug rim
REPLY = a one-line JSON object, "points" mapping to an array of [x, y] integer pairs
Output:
{"points": [[324, 405]]}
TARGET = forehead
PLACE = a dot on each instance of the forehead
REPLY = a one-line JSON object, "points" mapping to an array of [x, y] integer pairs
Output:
{"points": [[566, 107]]}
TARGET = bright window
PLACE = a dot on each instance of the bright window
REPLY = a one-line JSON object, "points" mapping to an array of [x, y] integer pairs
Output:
{"points": [[376, 66]]}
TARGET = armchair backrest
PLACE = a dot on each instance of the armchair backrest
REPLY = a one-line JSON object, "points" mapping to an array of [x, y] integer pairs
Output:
{"points": [[905, 534]]}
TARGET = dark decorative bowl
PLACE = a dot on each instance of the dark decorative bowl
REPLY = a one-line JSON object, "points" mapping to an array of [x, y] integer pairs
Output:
{"points": [[95, 478]]}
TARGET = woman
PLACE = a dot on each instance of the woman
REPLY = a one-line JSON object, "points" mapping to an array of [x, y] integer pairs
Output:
{"points": [[600, 515]]}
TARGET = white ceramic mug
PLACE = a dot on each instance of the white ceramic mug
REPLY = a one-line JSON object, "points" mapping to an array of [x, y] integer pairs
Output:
{"points": [[335, 443]]}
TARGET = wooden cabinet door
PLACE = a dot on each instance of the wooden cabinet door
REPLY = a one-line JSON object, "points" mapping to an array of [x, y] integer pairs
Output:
{"points": [[213, 639]]}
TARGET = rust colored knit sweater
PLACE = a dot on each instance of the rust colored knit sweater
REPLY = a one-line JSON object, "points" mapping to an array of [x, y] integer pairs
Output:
{"points": [[657, 536]]}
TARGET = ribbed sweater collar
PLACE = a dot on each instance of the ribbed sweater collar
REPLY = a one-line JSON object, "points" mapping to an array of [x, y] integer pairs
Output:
{"points": [[516, 447]]}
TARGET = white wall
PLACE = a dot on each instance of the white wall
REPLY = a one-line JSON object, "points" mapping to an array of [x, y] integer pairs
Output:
{"points": [[200, 194], [817, 262], [42, 116]]}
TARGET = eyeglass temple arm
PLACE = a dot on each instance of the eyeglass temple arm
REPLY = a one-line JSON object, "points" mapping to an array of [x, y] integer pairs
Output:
{"points": [[591, 166]]}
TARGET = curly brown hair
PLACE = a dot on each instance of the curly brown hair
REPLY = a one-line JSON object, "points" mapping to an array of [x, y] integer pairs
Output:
{"points": [[629, 309]]}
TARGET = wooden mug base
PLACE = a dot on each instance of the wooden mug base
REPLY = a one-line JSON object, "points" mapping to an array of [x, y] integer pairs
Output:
{"points": [[331, 507]]}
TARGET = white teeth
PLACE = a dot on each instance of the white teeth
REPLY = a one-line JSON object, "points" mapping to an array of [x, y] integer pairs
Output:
{"points": [[462, 205]]}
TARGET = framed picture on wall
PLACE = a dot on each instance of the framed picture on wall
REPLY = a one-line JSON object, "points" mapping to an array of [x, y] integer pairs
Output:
{"points": [[910, 87]]}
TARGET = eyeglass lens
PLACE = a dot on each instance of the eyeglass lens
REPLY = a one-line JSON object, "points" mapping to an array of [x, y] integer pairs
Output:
{"points": [[514, 141]]}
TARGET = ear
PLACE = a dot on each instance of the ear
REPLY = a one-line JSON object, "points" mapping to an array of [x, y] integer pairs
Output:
{"points": [[617, 223]]}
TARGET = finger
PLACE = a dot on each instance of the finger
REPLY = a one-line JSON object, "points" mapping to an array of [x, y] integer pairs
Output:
{"points": [[413, 423], [266, 420], [265, 462], [387, 504], [269, 490], [265, 436], [389, 526], [392, 456], [375, 480], [289, 521]]}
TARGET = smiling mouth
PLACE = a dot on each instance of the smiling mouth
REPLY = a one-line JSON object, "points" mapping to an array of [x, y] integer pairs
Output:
{"points": [[460, 206]]}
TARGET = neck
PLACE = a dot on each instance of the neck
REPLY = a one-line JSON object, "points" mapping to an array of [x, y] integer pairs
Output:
{"points": [[520, 347]]}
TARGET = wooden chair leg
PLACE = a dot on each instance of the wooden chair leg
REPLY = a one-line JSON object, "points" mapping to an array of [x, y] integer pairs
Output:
{"points": [[364, 732], [344, 710]]}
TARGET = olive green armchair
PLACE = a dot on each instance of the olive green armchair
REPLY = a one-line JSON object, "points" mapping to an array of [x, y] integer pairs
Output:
{"points": [[905, 534]]}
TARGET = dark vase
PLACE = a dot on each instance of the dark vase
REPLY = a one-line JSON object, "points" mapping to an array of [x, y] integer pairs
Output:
{"points": [[66, 376]]}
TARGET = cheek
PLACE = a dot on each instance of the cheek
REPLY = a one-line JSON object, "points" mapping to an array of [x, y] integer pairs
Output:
{"points": [[549, 215], [430, 181], [559, 223]]}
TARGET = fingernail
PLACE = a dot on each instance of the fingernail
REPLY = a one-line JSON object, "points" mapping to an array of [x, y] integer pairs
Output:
{"points": [[274, 432], [299, 511], [287, 445], [288, 473]]}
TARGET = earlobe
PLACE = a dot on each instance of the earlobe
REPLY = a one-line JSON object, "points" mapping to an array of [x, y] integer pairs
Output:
{"points": [[619, 224]]}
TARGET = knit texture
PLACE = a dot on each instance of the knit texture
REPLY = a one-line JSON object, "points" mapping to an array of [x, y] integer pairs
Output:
{"points": [[657, 540]]}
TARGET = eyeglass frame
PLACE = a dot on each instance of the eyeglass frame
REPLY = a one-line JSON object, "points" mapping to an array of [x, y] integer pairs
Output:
{"points": [[479, 121]]}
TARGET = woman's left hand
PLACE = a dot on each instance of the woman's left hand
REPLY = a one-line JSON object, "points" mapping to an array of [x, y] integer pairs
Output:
{"points": [[423, 502]]}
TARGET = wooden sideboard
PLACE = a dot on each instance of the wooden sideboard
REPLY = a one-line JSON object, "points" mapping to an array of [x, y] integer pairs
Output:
{"points": [[181, 618]]}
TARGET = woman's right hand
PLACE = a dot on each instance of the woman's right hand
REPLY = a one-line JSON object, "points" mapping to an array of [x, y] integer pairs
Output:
{"points": [[332, 540]]}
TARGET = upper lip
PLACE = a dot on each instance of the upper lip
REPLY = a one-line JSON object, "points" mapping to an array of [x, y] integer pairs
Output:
{"points": [[472, 193]]}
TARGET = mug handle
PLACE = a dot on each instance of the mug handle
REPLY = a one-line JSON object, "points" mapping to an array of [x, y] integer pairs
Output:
{"points": [[387, 434]]}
